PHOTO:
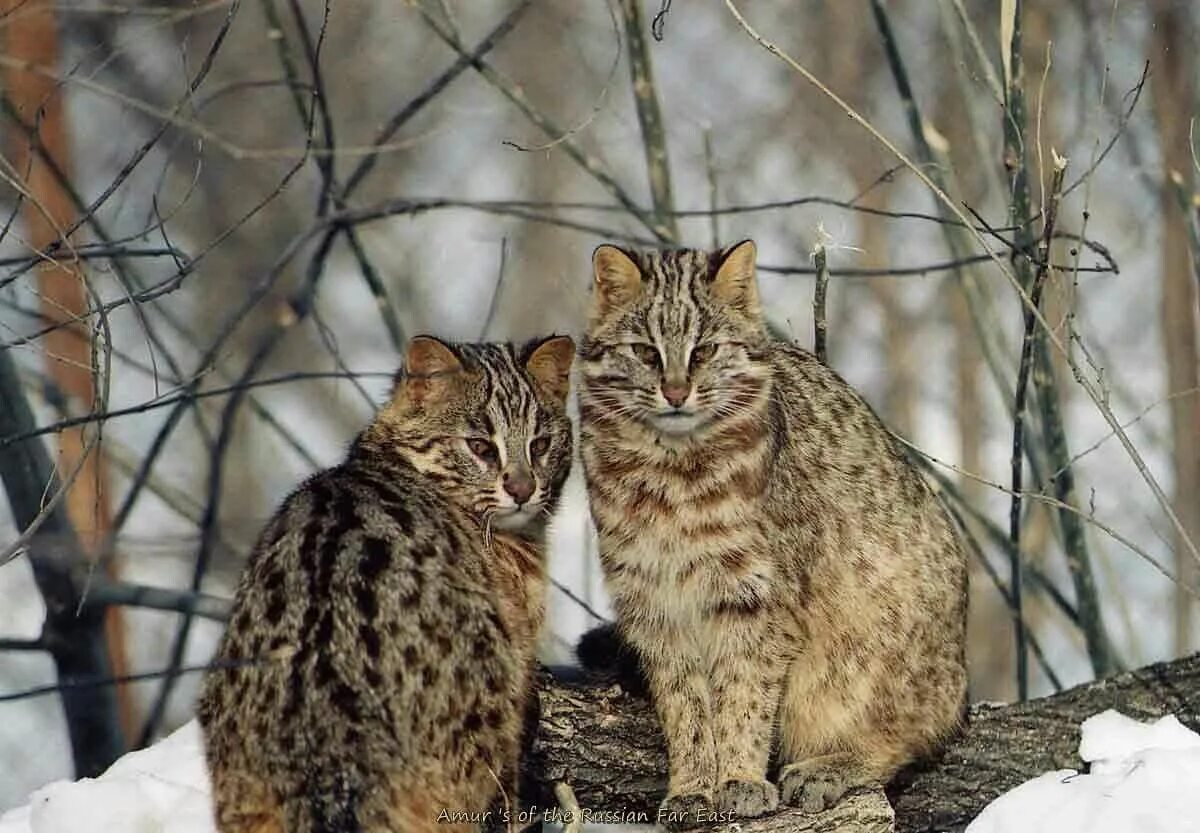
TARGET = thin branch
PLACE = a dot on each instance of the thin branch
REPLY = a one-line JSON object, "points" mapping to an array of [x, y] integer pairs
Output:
{"points": [[1016, 580], [38, 644], [514, 93], [108, 594], [654, 134], [79, 687], [1013, 605], [1058, 504], [494, 303], [77, 642], [185, 396], [464, 61], [1093, 391], [710, 169]]}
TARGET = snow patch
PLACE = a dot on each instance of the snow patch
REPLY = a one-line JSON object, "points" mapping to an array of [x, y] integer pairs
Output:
{"points": [[161, 789], [1143, 778]]}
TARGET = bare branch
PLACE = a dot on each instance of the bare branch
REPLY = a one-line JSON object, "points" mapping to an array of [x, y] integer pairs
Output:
{"points": [[654, 134]]}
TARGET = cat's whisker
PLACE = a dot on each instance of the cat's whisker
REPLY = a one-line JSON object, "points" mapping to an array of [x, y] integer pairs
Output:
{"points": [[487, 530]]}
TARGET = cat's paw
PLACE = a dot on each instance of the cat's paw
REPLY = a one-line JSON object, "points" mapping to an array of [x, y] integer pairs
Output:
{"points": [[685, 811], [746, 799], [815, 788]]}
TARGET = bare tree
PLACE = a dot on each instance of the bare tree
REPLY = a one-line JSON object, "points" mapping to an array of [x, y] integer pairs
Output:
{"points": [[267, 197]]}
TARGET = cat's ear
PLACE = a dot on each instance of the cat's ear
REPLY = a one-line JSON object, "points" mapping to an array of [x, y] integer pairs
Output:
{"points": [[735, 282], [550, 366], [427, 356], [618, 278], [428, 363]]}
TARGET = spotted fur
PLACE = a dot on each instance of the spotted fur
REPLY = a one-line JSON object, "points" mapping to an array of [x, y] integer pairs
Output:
{"points": [[378, 659], [784, 574]]}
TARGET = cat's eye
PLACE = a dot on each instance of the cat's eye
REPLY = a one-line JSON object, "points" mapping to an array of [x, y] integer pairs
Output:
{"points": [[646, 353], [539, 446], [702, 353], [483, 449]]}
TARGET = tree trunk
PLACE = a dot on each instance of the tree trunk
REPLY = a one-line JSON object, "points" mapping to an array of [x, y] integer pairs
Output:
{"points": [[606, 744], [1174, 94], [46, 211], [73, 637]]}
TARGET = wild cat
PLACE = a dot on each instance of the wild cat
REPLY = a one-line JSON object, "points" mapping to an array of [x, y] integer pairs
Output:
{"points": [[377, 663], [781, 570]]}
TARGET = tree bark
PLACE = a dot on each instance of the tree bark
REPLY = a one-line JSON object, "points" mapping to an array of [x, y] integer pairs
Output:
{"points": [[30, 34], [605, 743], [1174, 94]]}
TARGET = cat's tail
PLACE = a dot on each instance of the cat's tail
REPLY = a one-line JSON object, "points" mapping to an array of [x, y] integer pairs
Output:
{"points": [[604, 652]]}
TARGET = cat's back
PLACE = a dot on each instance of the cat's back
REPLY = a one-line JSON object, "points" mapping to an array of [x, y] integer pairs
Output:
{"points": [[826, 421], [361, 607], [832, 442], [867, 518]]}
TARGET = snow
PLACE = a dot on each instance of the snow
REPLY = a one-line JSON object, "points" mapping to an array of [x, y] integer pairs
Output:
{"points": [[161, 789], [1143, 778]]}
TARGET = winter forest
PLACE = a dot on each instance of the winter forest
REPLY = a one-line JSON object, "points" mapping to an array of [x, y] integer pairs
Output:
{"points": [[221, 220]]}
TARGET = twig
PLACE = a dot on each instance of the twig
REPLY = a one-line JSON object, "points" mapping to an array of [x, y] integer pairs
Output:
{"points": [[1058, 504], [312, 52], [710, 169], [464, 61], [183, 397], [569, 804], [581, 603], [78, 688], [1093, 391], [981, 55], [23, 645], [516, 95], [659, 24], [494, 303], [1054, 437], [978, 306], [1025, 367], [1006, 594], [820, 327]]}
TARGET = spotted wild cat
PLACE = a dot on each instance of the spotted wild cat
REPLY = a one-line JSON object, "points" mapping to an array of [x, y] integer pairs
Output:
{"points": [[780, 568], [379, 655]]}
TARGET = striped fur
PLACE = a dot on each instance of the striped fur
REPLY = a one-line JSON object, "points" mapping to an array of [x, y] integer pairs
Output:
{"points": [[783, 572], [378, 659]]}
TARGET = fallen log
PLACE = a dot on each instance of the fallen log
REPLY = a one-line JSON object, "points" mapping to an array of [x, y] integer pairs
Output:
{"points": [[605, 743]]}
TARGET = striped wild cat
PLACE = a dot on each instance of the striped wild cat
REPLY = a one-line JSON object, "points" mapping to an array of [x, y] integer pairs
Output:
{"points": [[377, 663], [783, 573]]}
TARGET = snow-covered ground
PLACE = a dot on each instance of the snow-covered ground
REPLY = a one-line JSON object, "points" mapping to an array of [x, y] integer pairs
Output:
{"points": [[1142, 778], [161, 789]]}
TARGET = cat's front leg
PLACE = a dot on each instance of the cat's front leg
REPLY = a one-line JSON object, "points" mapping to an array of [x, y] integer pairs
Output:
{"points": [[680, 691], [746, 686]]}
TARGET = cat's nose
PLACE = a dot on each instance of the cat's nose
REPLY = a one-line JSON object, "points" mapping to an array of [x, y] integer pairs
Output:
{"points": [[519, 486], [676, 393]]}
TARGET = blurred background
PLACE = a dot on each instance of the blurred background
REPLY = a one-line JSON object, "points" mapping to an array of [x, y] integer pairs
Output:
{"points": [[221, 220]]}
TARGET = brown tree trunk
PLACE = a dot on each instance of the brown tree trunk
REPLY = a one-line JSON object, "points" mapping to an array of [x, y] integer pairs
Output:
{"points": [[1174, 97], [30, 35]]}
